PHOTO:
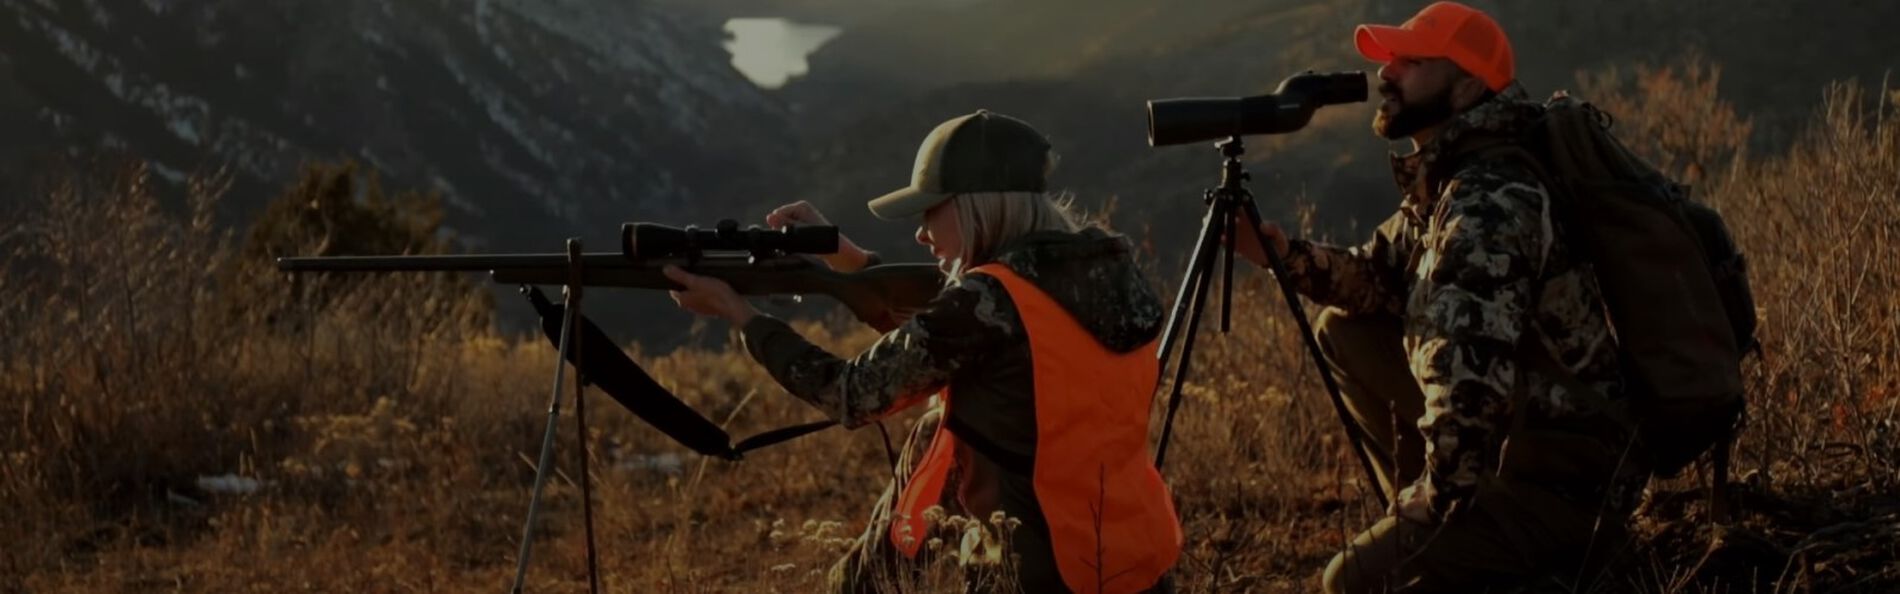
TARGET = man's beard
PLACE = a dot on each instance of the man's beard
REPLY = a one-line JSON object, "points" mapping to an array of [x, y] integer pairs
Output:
{"points": [[1409, 117]]}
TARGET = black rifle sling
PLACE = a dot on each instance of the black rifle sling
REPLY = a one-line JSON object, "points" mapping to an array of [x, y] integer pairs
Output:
{"points": [[609, 368], [780, 435]]}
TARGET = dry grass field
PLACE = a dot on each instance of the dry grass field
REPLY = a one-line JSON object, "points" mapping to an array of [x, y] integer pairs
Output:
{"points": [[390, 434]]}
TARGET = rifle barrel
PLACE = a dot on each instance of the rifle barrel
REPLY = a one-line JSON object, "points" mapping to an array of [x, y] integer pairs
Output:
{"points": [[874, 294], [448, 262]]}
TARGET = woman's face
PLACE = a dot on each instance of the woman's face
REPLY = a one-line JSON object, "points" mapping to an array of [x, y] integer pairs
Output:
{"points": [[940, 233]]}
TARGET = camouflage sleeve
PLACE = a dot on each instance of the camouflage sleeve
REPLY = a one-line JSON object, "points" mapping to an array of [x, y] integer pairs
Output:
{"points": [[1359, 279], [1470, 305], [906, 366]]}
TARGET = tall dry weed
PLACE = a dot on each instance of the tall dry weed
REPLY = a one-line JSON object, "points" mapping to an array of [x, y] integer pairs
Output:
{"points": [[1816, 460]]}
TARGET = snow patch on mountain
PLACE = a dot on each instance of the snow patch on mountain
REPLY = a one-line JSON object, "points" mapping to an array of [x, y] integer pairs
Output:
{"points": [[497, 109], [72, 46]]}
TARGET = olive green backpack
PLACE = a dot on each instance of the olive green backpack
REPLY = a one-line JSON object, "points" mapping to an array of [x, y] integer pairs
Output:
{"points": [[1674, 283]]}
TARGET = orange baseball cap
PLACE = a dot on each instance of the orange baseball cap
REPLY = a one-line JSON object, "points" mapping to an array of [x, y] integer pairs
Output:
{"points": [[1465, 35]]}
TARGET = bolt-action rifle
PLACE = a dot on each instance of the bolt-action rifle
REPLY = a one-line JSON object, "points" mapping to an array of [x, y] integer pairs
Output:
{"points": [[754, 261]]}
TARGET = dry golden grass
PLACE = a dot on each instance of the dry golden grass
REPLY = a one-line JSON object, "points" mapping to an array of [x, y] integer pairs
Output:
{"points": [[395, 449]]}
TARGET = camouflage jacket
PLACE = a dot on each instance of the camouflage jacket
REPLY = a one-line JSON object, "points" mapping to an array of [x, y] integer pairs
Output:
{"points": [[970, 340], [1473, 263]]}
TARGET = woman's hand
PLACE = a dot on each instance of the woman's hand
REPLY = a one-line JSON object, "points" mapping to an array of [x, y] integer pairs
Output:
{"points": [[850, 257], [709, 296]]}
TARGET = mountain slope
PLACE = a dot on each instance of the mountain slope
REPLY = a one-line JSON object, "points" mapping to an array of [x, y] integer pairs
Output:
{"points": [[534, 118]]}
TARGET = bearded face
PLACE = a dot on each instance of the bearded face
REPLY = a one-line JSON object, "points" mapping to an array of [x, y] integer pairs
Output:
{"points": [[1418, 95], [1400, 116]]}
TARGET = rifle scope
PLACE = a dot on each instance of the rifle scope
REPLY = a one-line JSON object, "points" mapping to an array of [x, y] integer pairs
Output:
{"points": [[648, 240], [1286, 109]]}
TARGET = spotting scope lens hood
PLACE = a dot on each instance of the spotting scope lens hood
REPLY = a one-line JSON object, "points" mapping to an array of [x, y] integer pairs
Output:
{"points": [[650, 240]]}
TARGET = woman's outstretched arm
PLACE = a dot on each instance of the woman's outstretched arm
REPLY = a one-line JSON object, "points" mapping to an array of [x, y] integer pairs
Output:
{"points": [[953, 333]]}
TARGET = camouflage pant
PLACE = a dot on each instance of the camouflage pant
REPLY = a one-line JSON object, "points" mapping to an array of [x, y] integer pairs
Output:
{"points": [[1514, 535], [873, 565]]}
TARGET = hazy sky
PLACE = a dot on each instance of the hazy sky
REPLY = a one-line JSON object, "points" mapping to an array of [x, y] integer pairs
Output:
{"points": [[771, 51]]}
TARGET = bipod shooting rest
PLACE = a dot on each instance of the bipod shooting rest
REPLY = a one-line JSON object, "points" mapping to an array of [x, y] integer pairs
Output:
{"points": [[570, 317], [1226, 204]]}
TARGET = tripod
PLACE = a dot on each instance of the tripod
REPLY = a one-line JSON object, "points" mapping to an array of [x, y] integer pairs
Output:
{"points": [[1226, 204], [569, 323]]}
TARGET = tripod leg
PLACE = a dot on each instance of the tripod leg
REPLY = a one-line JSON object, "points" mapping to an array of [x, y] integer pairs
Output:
{"points": [[1198, 277], [547, 451], [1189, 283], [1353, 431], [1232, 223]]}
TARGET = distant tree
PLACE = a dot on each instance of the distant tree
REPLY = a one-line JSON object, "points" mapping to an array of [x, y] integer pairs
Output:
{"points": [[1673, 115], [337, 209]]}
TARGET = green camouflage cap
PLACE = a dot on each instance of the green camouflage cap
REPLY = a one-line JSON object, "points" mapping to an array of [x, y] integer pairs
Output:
{"points": [[980, 152]]}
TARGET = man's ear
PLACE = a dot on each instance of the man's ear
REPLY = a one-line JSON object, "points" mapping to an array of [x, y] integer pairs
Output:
{"points": [[1468, 91]]}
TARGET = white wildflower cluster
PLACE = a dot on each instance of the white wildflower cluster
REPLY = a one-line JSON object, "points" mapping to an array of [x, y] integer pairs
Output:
{"points": [[978, 543], [828, 534]]}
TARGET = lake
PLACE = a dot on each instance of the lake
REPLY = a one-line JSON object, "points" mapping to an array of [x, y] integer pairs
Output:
{"points": [[770, 51]]}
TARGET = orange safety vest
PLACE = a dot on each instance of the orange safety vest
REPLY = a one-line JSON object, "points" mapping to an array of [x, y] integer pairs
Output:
{"points": [[1092, 409]]}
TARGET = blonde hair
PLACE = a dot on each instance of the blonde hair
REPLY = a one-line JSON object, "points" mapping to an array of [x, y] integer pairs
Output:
{"points": [[989, 220]]}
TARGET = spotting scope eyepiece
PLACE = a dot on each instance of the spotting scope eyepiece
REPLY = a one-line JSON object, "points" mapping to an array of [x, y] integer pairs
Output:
{"points": [[649, 240], [1286, 109]]}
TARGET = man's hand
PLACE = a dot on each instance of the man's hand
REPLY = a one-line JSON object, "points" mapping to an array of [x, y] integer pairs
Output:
{"points": [[849, 258], [708, 296], [1249, 246]]}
